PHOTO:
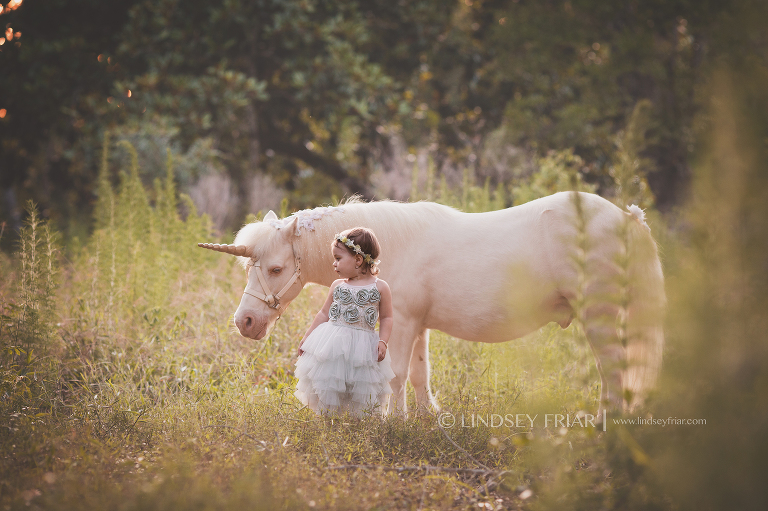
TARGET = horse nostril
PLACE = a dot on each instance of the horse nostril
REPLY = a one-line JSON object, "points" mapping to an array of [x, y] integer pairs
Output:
{"points": [[248, 322]]}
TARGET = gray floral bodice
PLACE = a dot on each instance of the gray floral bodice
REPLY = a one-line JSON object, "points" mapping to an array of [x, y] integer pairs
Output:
{"points": [[355, 306]]}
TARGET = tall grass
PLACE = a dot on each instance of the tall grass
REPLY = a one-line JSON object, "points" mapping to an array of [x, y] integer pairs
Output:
{"points": [[28, 316]]}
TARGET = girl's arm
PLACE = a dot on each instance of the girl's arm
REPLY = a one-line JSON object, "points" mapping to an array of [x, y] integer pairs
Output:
{"points": [[322, 316], [386, 317]]}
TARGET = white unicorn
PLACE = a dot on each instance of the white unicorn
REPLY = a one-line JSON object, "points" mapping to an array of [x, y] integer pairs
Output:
{"points": [[483, 277]]}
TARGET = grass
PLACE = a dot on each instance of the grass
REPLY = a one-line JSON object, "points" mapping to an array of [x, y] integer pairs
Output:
{"points": [[190, 415]]}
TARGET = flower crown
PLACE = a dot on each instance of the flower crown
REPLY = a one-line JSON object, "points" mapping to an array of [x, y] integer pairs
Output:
{"points": [[356, 248]]}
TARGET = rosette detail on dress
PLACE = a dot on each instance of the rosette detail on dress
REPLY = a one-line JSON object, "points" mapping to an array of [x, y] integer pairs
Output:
{"points": [[334, 312], [371, 315], [343, 295], [351, 315], [361, 296]]}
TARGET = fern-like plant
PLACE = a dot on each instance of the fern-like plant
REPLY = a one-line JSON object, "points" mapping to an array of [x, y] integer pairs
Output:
{"points": [[28, 316]]}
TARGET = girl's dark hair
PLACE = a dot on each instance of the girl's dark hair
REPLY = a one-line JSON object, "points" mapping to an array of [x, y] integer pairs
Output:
{"points": [[366, 240]]}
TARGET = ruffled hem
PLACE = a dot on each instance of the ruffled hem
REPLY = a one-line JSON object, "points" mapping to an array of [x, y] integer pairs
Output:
{"points": [[339, 372]]}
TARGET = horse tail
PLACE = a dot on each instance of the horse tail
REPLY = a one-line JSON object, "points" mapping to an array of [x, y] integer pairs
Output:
{"points": [[644, 311]]}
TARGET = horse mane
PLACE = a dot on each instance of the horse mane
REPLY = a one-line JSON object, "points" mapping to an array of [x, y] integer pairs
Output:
{"points": [[395, 223], [258, 235], [352, 199], [406, 218]]}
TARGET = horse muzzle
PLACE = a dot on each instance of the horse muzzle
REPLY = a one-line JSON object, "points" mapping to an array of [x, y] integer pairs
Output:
{"points": [[251, 325]]}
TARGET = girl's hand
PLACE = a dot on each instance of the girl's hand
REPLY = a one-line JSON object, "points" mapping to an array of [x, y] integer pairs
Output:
{"points": [[382, 350], [300, 351]]}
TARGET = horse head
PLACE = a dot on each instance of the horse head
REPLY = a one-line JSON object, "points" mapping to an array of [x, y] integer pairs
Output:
{"points": [[273, 272]]}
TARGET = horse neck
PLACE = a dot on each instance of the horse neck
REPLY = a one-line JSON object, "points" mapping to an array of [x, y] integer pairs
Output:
{"points": [[314, 247], [313, 263], [395, 224]]}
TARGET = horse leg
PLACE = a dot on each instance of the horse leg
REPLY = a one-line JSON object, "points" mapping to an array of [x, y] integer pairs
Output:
{"points": [[419, 372], [401, 345]]}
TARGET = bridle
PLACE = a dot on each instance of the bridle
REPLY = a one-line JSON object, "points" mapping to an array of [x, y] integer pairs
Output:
{"points": [[272, 300]]}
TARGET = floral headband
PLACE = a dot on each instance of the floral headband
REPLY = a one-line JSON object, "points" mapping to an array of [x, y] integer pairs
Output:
{"points": [[356, 248]]}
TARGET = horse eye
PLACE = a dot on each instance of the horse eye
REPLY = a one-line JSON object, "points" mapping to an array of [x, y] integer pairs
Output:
{"points": [[276, 270]]}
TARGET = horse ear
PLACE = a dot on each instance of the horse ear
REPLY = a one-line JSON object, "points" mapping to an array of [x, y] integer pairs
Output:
{"points": [[291, 227], [270, 216]]}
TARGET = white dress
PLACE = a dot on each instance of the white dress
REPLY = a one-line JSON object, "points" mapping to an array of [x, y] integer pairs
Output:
{"points": [[338, 370]]}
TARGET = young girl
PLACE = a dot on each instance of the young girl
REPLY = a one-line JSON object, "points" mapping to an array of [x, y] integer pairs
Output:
{"points": [[343, 365]]}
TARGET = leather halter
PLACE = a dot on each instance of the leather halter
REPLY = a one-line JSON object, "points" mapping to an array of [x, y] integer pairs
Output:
{"points": [[272, 300]]}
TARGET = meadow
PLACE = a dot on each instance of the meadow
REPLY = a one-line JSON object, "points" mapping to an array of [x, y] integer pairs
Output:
{"points": [[126, 386]]}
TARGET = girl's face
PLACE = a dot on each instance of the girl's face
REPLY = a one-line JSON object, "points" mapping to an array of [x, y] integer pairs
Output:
{"points": [[346, 264]]}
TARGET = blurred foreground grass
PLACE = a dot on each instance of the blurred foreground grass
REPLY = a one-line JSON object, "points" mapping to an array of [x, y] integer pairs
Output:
{"points": [[125, 386]]}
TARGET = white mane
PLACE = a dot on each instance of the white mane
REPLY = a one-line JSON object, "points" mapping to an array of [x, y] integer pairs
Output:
{"points": [[396, 224]]}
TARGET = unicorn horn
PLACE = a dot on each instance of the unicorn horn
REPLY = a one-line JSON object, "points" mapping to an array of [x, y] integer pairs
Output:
{"points": [[237, 250]]}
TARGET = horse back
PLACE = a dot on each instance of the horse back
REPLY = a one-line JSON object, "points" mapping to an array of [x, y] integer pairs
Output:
{"points": [[480, 276]]}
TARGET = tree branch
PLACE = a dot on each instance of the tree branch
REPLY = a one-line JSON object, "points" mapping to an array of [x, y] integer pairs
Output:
{"points": [[317, 161]]}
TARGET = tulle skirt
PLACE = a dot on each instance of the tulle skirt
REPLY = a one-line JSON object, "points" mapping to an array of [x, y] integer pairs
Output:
{"points": [[339, 372]]}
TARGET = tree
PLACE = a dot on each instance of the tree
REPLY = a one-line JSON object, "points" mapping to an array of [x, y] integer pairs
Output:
{"points": [[567, 74], [54, 86], [300, 81]]}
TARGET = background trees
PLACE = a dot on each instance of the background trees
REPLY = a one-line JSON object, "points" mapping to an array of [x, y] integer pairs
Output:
{"points": [[313, 99]]}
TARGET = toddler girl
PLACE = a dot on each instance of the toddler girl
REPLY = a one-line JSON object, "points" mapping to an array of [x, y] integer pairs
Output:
{"points": [[343, 365]]}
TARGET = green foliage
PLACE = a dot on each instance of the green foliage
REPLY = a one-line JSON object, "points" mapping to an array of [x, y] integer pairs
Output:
{"points": [[138, 250], [720, 328], [28, 321], [33, 317], [55, 92], [311, 93], [467, 197], [280, 85], [630, 168], [557, 75], [559, 171], [556, 172], [153, 141]]}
